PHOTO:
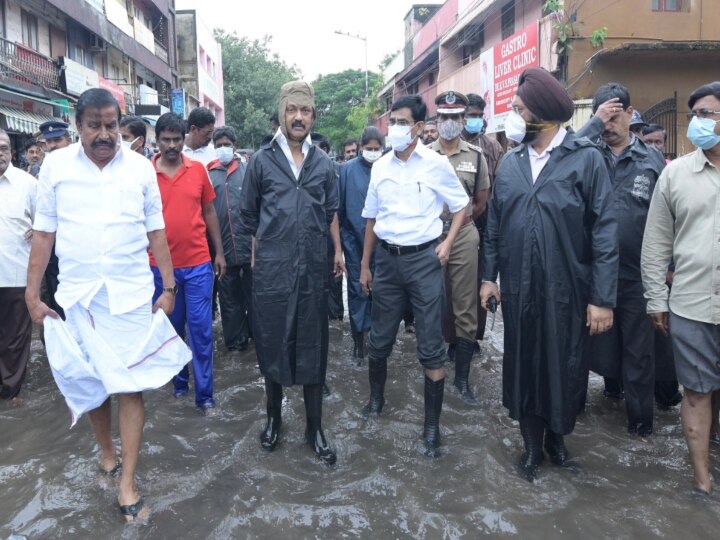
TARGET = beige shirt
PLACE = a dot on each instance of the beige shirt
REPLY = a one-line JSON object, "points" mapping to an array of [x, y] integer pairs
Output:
{"points": [[683, 225], [18, 192]]}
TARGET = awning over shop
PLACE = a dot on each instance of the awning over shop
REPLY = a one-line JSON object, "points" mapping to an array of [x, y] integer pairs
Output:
{"points": [[24, 121]]}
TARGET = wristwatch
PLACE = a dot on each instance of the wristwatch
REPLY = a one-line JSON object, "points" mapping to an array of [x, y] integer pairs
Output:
{"points": [[172, 289]]}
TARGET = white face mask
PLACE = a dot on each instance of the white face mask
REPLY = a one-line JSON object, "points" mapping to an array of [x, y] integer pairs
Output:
{"points": [[449, 129], [129, 144], [515, 127], [224, 153], [371, 156], [399, 137]]}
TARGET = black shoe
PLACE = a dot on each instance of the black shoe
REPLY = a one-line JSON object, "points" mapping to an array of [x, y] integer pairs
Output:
{"points": [[463, 357], [320, 446], [313, 414], [434, 392], [613, 388], [555, 447], [271, 434], [641, 429], [529, 463], [377, 374]]}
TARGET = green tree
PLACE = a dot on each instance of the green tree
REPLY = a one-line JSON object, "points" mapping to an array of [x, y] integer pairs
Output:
{"points": [[342, 112], [252, 77]]}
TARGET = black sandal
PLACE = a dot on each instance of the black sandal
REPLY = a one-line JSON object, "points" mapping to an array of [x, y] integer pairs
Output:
{"points": [[132, 510], [114, 472]]}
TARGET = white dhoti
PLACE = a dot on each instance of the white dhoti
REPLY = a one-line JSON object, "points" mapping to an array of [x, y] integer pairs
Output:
{"points": [[94, 354]]}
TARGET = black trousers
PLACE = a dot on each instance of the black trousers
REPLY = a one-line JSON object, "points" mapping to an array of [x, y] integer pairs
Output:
{"points": [[51, 284], [416, 278], [235, 293], [626, 352], [15, 334]]}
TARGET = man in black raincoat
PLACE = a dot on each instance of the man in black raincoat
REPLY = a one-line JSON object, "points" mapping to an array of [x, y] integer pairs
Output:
{"points": [[289, 199], [552, 238], [624, 355]]}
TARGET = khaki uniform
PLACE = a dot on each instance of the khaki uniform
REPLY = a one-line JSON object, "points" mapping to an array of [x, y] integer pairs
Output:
{"points": [[461, 270]]}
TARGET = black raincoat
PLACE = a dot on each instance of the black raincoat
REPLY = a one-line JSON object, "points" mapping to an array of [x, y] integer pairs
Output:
{"points": [[554, 244], [290, 220]]}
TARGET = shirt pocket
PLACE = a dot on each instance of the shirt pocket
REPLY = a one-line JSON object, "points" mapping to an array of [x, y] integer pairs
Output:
{"points": [[130, 203]]}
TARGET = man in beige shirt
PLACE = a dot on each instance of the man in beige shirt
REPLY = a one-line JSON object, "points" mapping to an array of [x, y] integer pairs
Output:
{"points": [[683, 225]]}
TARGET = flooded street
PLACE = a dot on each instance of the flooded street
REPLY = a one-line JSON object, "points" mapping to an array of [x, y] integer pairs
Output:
{"points": [[208, 478]]}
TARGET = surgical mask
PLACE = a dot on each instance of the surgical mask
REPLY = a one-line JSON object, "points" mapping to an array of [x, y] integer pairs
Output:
{"points": [[371, 156], [449, 129], [224, 153], [128, 144], [701, 132], [515, 127], [399, 137], [474, 125]]}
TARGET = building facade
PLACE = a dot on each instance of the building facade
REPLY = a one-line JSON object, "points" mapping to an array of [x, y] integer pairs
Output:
{"points": [[53, 50], [200, 65], [660, 49]]}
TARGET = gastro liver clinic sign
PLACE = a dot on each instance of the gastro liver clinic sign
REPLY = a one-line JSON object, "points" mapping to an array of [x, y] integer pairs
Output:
{"points": [[501, 67]]}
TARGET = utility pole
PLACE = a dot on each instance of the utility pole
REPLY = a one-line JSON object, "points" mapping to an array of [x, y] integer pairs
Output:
{"points": [[356, 36]]}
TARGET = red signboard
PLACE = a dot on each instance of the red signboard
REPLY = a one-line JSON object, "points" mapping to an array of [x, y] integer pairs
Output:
{"points": [[511, 58], [117, 92]]}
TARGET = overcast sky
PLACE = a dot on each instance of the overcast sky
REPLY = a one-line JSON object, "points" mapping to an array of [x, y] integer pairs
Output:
{"points": [[303, 32]]}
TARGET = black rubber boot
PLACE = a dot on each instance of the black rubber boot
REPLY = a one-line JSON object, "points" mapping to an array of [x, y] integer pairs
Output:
{"points": [[451, 352], [361, 346], [463, 358], [271, 434], [314, 434], [613, 388], [555, 447], [532, 429], [377, 374], [434, 392]]}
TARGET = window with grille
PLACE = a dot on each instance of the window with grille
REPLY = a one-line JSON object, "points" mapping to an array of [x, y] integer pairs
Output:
{"points": [[667, 5], [29, 29]]}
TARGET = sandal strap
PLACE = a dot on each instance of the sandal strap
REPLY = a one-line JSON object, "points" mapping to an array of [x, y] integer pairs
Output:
{"points": [[132, 509]]}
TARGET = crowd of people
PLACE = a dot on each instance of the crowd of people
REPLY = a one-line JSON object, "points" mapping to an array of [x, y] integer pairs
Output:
{"points": [[599, 256]]}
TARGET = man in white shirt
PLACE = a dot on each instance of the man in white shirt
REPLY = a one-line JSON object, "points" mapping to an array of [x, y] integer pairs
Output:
{"points": [[200, 126], [100, 202], [17, 211], [407, 190]]}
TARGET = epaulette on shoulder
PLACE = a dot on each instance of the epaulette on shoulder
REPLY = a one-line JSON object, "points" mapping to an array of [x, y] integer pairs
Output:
{"points": [[474, 147]]}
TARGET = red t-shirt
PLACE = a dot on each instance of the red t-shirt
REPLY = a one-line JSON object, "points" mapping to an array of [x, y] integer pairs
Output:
{"points": [[183, 198]]}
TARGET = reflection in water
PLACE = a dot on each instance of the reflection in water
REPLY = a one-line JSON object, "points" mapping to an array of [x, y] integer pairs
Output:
{"points": [[208, 478]]}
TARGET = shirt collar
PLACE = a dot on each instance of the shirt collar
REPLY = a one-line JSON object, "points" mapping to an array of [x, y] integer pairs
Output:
{"points": [[700, 161], [283, 142], [556, 141], [186, 161]]}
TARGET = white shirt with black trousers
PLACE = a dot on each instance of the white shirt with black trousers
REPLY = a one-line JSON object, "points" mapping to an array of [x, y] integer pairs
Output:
{"points": [[406, 200]]}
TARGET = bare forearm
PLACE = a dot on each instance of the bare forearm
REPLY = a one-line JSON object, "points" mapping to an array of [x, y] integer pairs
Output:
{"points": [[458, 218], [161, 253], [370, 242], [480, 203], [335, 233], [40, 251]]}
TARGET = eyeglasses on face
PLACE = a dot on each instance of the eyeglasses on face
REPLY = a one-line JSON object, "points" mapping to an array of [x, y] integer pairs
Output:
{"points": [[702, 113]]}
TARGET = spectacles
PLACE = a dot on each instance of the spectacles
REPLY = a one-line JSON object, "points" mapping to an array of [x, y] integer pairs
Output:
{"points": [[403, 123], [702, 113]]}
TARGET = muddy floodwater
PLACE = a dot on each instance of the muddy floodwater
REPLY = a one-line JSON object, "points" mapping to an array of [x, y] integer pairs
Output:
{"points": [[208, 477]]}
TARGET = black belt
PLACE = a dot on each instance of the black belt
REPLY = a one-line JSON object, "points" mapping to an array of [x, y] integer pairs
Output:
{"points": [[404, 250]]}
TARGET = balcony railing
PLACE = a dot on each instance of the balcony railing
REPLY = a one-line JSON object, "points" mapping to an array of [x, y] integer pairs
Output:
{"points": [[24, 65], [161, 52]]}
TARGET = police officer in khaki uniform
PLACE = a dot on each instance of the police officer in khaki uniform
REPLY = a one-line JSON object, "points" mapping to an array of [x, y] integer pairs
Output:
{"points": [[461, 270]]}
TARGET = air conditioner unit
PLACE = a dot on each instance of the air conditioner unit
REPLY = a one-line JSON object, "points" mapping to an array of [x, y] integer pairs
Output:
{"points": [[97, 43]]}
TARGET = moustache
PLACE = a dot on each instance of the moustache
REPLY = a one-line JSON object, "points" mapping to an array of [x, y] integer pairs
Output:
{"points": [[299, 124], [109, 144]]}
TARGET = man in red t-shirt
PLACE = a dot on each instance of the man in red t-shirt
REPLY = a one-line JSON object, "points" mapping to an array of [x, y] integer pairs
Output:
{"points": [[189, 213]]}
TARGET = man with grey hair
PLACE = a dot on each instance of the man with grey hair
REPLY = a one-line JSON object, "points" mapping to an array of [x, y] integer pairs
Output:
{"points": [[17, 211], [289, 200]]}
